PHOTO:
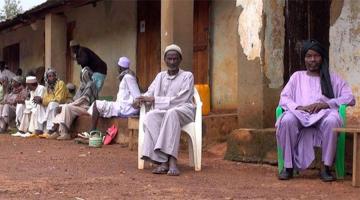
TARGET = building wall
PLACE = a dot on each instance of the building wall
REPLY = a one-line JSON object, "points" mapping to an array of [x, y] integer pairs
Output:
{"points": [[261, 35], [345, 48], [32, 44], [109, 29], [223, 54]]}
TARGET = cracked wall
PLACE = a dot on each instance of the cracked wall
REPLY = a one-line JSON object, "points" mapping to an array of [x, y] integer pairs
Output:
{"points": [[345, 48]]}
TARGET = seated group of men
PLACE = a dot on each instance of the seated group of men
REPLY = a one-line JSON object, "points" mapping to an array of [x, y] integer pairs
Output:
{"points": [[310, 101], [44, 111]]}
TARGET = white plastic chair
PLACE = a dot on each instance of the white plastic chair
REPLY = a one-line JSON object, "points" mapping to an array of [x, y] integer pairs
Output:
{"points": [[193, 129]]}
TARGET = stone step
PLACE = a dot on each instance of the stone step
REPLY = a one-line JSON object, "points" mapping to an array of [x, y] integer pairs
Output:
{"points": [[259, 146]]}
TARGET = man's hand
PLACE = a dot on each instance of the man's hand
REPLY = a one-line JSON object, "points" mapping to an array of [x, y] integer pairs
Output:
{"points": [[136, 104], [58, 110], [19, 100], [37, 100], [143, 99], [313, 108]]}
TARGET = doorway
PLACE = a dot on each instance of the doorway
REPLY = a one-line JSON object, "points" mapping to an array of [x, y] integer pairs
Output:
{"points": [[201, 41], [304, 19], [11, 56], [148, 41]]}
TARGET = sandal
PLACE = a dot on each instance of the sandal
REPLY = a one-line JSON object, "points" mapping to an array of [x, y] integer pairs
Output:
{"points": [[160, 170], [85, 135]]}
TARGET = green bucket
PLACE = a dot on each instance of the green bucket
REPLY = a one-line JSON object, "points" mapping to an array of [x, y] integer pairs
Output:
{"points": [[96, 139]]}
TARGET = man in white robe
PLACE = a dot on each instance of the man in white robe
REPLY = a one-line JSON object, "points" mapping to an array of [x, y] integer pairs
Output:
{"points": [[25, 113], [171, 94], [128, 92]]}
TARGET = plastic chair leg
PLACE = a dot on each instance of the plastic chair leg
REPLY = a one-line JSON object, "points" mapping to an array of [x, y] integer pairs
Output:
{"points": [[340, 157]]}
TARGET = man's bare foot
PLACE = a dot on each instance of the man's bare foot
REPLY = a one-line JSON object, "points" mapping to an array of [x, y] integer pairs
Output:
{"points": [[163, 168], [173, 169]]}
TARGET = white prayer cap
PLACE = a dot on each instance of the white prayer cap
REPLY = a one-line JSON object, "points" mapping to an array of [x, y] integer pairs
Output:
{"points": [[73, 43], [70, 86], [124, 62], [173, 47], [31, 79]]}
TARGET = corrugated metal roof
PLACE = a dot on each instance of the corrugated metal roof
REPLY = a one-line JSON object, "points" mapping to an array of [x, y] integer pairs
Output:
{"points": [[41, 10]]}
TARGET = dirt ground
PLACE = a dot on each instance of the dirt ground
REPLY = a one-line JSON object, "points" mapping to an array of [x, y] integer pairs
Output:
{"points": [[47, 169]]}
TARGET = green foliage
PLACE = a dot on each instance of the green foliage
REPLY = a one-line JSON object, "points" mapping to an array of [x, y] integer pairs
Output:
{"points": [[10, 9]]}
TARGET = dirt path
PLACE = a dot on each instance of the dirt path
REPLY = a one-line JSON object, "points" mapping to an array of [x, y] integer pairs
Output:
{"points": [[47, 169]]}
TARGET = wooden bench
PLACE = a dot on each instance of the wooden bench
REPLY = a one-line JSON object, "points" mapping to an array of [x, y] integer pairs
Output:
{"points": [[356, 153], [127, 128]]}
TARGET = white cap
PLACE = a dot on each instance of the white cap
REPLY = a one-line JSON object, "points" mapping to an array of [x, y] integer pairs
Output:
{"points": [[124, 62], [31, 79], [73, 43], [173, 47]]}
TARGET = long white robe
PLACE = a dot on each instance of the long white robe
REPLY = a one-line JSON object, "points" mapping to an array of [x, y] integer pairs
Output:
{"points": [[128, 92], [25, 116], [173, 108]]}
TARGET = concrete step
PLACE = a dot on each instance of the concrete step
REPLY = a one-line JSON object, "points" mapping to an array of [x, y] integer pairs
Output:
{"points": [[259, 146]]}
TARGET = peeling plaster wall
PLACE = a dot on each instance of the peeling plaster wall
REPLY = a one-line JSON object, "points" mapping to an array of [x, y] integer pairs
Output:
{"points": [[223, 61], [250, 24], [31, 43], [109, 29], [260, 61], [345, 48], [250, 64], [274, 42]]}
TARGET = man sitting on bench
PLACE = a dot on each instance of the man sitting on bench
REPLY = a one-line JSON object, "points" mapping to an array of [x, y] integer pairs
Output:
{"points": [[311, 98], [128, 92]]}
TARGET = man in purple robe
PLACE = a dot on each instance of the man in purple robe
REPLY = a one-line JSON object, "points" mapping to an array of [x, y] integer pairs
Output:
{"points": [[311, 100]]}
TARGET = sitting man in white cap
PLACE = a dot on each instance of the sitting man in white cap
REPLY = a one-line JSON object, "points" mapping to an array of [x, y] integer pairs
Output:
{"points": [[171, 94], [127, 93], [25, 112], [85, 57]]}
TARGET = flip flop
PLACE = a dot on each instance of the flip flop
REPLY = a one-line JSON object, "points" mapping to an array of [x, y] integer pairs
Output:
{"points": [[84, 135], [173, 172], [160, 170]]}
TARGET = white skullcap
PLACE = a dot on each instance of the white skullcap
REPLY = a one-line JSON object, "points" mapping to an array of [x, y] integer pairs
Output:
{"points": [[173, 47], [70, 86], [73, 43], [31, 79], [124, 62]]}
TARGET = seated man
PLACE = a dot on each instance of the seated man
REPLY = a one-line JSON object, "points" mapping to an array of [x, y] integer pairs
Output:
{"points": [[311, 98], [86, 94], [128, 92], [56, 93], [25, 111], [171, 94], [4, 87], [8, 104]]}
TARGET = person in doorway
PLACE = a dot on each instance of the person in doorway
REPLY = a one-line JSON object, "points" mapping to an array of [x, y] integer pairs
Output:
{"points": [[85, 57], [311, 98], [171, 94], [5, 72], [128, 92]]}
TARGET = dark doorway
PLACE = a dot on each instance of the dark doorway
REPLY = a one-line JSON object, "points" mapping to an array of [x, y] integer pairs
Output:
{"points": [[201, 41], [148, 41], [70, 26], [304, 19], [11, 56]]}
